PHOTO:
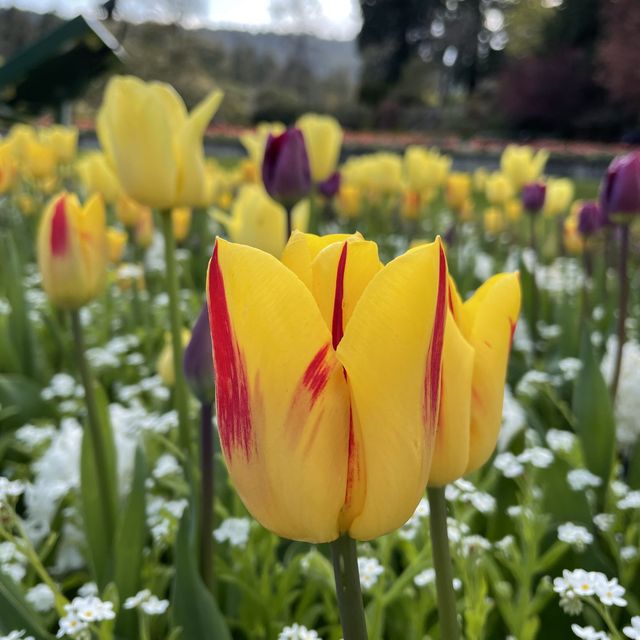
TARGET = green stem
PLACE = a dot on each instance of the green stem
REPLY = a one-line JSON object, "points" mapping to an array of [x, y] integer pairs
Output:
{"points": [[93, 422], [449, 628], [345, 568], [206, 494], [179, 389], [533, 243], [622, 305]]}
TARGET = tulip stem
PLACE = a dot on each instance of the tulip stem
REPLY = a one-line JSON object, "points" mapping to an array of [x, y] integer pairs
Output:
{"points": [[179, 389], [289, 211], [449, 628], [93, 421], [622, 305], [206, 493], [345, 569]]}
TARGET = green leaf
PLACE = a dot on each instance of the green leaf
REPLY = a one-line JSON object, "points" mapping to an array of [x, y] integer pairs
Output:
{"points": [[560, 500], [129, 544], [595, 424], [100, 535], [194, 608], [22, 396], [633, 477], [15, 612]]}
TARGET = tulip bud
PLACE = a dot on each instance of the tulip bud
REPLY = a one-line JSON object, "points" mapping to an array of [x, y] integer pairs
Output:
{"points": [[590, 219], [164, 363], [533, 195], [620, 192], [116, 243], [181, 222], [285, 168], [198, 359], [330, 187]]}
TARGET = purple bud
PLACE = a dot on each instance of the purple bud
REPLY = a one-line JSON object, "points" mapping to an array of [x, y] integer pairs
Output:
{"points": [[198, 359], [285, 168], [590, 219], [533, 195], [620, 191], [330, 187]]}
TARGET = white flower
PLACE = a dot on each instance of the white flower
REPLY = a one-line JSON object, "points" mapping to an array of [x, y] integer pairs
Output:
{"points": [[604, 521], [16, 635], [570, 368], [369, 569], [456, 530], [538, 457], [41, 598], [153, 606], [91, 609], [474, 544], [88, 589], [235, 531], [610, 593], [508, 464], [575, 535], [633, 631], [166, 465], [531, 381], [298, 632], [588, 633], [630, 501], [581, 479], [628, 553], [619, 488], [32, 437], [560, 441], [10, 488], [135, 601], [425, 577], [505, 543], [483, 502], [71, 625]]}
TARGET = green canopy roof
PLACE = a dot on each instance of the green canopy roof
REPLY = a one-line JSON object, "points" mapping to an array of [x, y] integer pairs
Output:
{"points": [[58, 67]]}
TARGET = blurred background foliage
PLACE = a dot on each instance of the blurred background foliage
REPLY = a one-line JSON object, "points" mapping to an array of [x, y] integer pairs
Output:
{"points": [[564, 68]]}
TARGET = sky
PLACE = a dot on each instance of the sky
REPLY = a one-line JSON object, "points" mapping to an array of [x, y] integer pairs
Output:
{"points": [[336, 19]]}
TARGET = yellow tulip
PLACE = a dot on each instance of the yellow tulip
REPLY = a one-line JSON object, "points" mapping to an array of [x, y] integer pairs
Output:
{"points": [[425, 169], [323, 139], [349, 201], [26, 204], [521, 165], [480, 176], [72, 250], [97, 176], [154, 145], [477, 342], [62, 140], [181, 221], [164, 363], [116, 243], [410, 205], [259, 221], [493, 220], [128, 211], [374, 174], [513, 210], [20, 136], [8, 168], [571, 236], [559, 195], [254, 141], [498, 188], [144, 227], [41, 160], [324, 428], [458, 191]]}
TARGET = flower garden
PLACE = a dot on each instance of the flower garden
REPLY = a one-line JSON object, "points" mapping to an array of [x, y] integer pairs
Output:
{"points": [[288, 397]]}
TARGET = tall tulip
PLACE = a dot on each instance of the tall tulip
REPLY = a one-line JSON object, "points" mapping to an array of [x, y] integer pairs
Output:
{"points": [[323, 139], [97, 176], [522, 165], [154, 145], [325, 429], [476, 349], [72, 250]]}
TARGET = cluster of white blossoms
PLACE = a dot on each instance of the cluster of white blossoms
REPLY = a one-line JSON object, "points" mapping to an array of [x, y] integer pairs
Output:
{"points": [[147, 602], [560, 441], [513, 466], [235, 531], [633, 631], [81, 612], [10, 489], [17, 635], [298, 632], [576, 535], [581, 479], [578, 584], [466, 492], [370, 570], [589, 633]]}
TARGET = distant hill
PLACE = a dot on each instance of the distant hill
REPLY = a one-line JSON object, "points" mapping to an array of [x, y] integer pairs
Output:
{"points": [[265, 75]]}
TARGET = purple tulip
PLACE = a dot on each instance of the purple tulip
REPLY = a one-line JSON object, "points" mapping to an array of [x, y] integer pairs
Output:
{"points": [[198, 359], [620, 191], [330, 187], [590, 219], [285, 168], [533, 195]]}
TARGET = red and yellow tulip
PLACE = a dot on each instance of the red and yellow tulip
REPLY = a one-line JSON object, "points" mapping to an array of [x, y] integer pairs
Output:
{"points": [[328, 368], [72, 250], [477, 342]]}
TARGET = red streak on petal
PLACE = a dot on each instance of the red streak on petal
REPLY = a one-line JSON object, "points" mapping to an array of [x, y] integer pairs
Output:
{"points": [[336, 325], [352, 464], [316, 375], [232, 387], [59, 229], [434, 356]]}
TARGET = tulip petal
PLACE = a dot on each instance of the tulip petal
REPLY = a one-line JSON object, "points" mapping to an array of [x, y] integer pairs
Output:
{"points": [[282, 398], [451, 455], [392, 353], [492, 313]]}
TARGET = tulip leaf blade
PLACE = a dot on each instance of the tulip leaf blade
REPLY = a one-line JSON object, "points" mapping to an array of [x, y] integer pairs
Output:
{"points": [[15, 611], [194, 608], [593, 409]]}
